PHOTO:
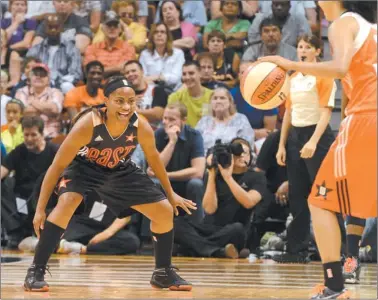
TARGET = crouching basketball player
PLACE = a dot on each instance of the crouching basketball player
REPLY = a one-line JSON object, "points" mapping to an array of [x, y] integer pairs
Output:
{"points": [[95, 156]]}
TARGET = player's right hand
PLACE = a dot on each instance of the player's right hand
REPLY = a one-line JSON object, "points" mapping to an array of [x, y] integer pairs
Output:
{"points": [[281, 156], [39, 222], [185, 204]]}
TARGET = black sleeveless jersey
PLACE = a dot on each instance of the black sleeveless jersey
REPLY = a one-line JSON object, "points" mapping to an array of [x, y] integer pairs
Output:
{"points": [[104, 150]]}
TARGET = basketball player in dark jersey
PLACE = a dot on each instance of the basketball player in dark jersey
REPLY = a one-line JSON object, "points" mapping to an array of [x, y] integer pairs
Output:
{"points": [[95, 156]]}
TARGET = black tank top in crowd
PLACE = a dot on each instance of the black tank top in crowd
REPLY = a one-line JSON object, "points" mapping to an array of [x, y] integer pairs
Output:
{"points": [[105, 151]]}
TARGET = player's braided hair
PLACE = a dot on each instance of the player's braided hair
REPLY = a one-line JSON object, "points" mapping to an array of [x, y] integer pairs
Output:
{"points": [[111, 85]]}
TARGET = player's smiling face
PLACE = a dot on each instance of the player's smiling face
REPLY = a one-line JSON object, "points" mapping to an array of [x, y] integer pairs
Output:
{"points": [[121, 103]]}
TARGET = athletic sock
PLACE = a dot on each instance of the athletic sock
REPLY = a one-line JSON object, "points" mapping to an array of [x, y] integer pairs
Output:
{"points": [[353, 244], [50, 237], [333, 276], [163, 244]]}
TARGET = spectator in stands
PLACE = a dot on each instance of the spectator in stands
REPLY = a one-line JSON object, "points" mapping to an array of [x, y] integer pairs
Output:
{"points": [[133, 32], [20, 30], [207, 65], [230, 24], [262, 121], [62, 57], [89, 94], [181, 150], [112, 52], [10, 61], [305, 8], [224, 122], [2, 149], [292, 25], [184, 34], [142, 13], [151, 99], [74, 28], [4, 98], [271, 43], [11, 133], [42, 100], [39, 9], [249, 9], [28, 161], [162, 64], [193, 12], [27, 65], [194, 96], [90, 10], [231, 194], [226, 59]]}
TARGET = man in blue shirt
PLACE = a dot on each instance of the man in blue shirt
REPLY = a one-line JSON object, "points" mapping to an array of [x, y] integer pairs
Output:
{"points": [[262, 121], [182, 152]]}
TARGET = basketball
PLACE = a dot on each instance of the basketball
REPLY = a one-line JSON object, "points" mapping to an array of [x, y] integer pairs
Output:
{"points": [[265, 85]]}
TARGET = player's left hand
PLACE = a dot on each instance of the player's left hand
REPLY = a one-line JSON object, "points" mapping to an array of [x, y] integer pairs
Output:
{"points": [[227, 172], [278, 60], [185, 204], [100, 237], [308, 150]]}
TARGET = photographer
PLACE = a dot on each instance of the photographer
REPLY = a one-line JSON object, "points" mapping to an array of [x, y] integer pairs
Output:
{"points": [[232, 192]]}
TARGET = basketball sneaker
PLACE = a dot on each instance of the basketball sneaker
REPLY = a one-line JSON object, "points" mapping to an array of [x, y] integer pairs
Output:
{"points": [[167, 278], [352, 270], [35, 279], [323, 292]]}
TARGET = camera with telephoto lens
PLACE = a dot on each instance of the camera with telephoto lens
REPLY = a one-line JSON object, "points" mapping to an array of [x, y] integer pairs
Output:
{"points": [[222, 153]]}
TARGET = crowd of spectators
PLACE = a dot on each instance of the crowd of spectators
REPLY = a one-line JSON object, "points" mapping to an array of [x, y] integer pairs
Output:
{"points": [[185, 60]]}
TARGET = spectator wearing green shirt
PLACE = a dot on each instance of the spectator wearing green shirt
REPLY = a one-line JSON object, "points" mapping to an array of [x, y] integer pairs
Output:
{"points": [[193, 95], [230, 24]]}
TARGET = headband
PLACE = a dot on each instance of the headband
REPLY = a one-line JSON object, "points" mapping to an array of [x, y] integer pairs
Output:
{"points": [[16, 101], [116, 84]]}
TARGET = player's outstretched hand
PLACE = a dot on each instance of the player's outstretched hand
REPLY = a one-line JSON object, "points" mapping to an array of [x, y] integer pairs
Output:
{"points": [[185, 204], [39, 222], [278, 60]]}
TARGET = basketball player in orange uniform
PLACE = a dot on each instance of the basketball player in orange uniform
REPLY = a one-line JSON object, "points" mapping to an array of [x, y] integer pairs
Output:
{"points": [[354, 226], [347, 180]]}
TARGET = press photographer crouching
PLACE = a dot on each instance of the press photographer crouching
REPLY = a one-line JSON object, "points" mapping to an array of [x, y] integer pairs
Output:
{"points": [[232, 191]]}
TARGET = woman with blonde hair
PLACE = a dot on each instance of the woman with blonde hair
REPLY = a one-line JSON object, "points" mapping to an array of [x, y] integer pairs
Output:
{"points": [[162, 63], [224, 123]]}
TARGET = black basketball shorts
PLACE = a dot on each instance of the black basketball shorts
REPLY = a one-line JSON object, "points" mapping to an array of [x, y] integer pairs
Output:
{"points": [[118, 188]]}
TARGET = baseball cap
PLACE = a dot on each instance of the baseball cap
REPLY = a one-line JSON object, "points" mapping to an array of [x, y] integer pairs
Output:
{"points": [[111, 17], [41, 66]]}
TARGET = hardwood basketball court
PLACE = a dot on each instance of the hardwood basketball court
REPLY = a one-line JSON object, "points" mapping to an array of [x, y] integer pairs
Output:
{"points": [[107, 277]]}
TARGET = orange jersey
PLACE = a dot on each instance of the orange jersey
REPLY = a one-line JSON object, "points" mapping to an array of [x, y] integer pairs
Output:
{"points": [[363, 69], [347, 86]]}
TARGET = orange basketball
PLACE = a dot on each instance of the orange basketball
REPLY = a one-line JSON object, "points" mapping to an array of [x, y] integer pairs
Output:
{"points": [[265, 85]]}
